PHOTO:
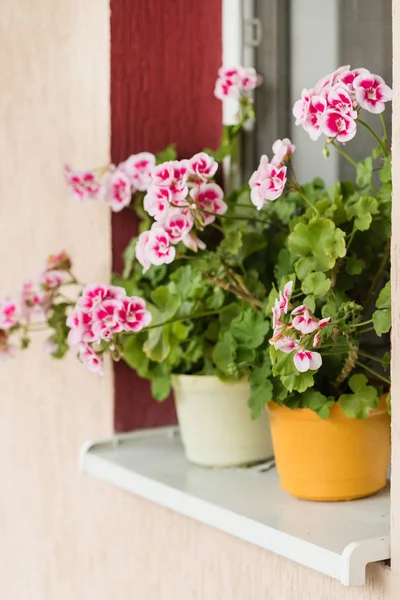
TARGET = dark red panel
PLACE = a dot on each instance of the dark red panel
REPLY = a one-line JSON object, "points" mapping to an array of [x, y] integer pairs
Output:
{"points": [[164, 58]]}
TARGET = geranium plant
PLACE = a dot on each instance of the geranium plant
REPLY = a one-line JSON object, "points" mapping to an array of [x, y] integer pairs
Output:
{"points": [[212, 277]]}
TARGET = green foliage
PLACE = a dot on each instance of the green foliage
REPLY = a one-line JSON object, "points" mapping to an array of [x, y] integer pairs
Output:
{"points": [[316, 283], [363, 399], [168, 154], [364, 172], [382, 318], [317, 402], [261, 389], [57, 322], [317, 245]]}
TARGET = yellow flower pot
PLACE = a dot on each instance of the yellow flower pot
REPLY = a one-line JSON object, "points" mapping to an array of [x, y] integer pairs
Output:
{"points": [[333, 459]]}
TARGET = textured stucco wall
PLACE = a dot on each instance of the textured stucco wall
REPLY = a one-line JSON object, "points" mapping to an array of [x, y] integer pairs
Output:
{"points": [[62, 536]]}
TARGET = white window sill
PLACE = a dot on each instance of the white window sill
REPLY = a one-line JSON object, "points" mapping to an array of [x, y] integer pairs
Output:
{"points": [[337, 539]]}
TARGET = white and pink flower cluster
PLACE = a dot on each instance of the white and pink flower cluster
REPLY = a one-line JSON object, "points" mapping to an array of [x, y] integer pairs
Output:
{"points": [[34, 300], [333, 105], [101, 312], [114, 184], [236, 82], [268, 182], [295, 336], [181, 196]]}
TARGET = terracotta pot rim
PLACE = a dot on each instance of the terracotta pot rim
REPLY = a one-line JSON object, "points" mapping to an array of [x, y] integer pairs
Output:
{"points": [[336, 414]]}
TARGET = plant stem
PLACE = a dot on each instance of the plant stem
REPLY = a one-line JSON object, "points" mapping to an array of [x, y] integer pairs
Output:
{"points": [[363, 323], [378, 375], [383, 128], [235, 218], [372, 132], [345, 155], [370, 356], [381, 268], [304, 197], [185, 318]]}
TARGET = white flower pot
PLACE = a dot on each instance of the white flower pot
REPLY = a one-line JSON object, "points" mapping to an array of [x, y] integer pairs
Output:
{"points": [[215, 422]]}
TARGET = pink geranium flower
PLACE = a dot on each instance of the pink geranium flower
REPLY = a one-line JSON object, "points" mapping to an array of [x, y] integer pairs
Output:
{"points": [[178, 224], [153, 248], [106, 321], [234, 82], [93, 361], [337, 125], [50, 280], [133, 315], [139, 168], [58, 261], [33, 302], [157, 202], [301, 107], [118, 193], [82, 184], [305, 360], [202, 166], [9, 314], [95, 294], [80, 323], [317, 108], [267, 183], [285, 343], [140, 250], [304, 323], [372, 92], [192, 242], [283, 150], [209, 197]]}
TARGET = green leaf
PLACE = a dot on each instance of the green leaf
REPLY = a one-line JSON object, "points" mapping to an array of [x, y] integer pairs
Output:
{"points": [[386, 360], [364, 172], [129, 258], [232, 242], [168, 154], [363, 210], [160, 387], [250, 328], [158, 344], [309, 301], [283, 264], [298, 382], [317, 284], [385, 174], [224, 354], [355, 266], [167, 303], [261, 391], [317, 244], [382, 320], [383, 300], [317, 402], [363, 399], [385, 193], [134, 356]]}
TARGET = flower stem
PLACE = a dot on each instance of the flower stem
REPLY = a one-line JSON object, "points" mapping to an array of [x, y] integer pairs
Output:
{"points": [[363, 323], [373, 372], [382, 118], [345, 155], [372, 132], [371, 357], [304, 197], [185, 318]]}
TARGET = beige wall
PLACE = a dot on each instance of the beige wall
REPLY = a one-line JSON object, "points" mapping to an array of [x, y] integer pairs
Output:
{"points": [[64, 537]]}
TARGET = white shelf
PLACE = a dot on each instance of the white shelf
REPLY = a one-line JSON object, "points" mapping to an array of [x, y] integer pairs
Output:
{"points": [[337, 539]]}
